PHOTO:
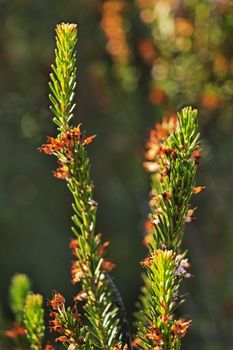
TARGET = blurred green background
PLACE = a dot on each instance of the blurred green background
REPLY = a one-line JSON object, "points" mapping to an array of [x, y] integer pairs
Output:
{"points": [[137, 61]]}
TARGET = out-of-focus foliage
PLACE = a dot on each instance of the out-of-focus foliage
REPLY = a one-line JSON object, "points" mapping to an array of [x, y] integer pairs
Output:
{"points": [[19, 288], [28, 327], [178, 53], [34, 320], [188, 47]]}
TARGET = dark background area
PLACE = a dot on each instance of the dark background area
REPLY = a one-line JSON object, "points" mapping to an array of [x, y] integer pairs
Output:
{"points": [[137, 61]]}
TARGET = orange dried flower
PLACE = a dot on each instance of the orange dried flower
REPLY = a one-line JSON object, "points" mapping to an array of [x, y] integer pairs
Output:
{"points": [[52, 146], [16, 331], [62, 172], [147, 261], [196, 156], [107, 266], [180, 327], [135, 342], [74, 246], [76, 314], [66, 143], [76, 272], [155, 335], [81, 296], [87, 140], [49, 347], [149, 226], [147, 240], [165, 150], [117, 347], [62, 339], [190, 216], [55, 325], [158, 135], [57, 301], [198, 189], [102, 248], [166, 195]]}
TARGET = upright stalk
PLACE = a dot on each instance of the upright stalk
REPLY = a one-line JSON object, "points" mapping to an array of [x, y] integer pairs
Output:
{"points": [[103, 329], [172, 155]]}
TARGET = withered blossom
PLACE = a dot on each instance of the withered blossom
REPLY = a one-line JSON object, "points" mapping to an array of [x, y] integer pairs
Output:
{"points": [[147, 261], [56, 301], [49, 347], [155, 335], [180, 327], [62, 172], [107, 266], [158, 135], [102, 248], [190, 215], [81, 296], [76, 272], [151, 167], [198, 189], [16, 331], [182, 266], [196, 156], [53, 146], [55, 325], [74, 246]]}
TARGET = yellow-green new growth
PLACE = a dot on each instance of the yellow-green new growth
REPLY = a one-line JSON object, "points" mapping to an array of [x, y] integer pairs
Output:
{"points": [[19, 288], [33, 319], [63, 77]]}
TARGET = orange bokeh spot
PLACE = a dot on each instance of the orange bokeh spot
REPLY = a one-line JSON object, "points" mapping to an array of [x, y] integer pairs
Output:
{"points": [[157, 96]]}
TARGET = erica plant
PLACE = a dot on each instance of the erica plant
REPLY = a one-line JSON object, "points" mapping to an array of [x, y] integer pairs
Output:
{"points": [[172, 156], [101, 328], [97, 318]]}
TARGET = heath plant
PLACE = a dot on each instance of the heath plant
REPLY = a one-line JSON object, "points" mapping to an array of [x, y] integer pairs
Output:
{"points": [[97, 318]]}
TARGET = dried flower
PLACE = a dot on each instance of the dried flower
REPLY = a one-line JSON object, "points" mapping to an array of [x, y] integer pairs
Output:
{"points": [[62, 172], [190, 215], [198, 189], [76, 272], [62, 339], [172, 147], [182, 266], [196, 156], [180, 327], [151, 167], [102, 248], [107, 265], [74, 246], [57, 301], [16, 331], [81, 296], [52, 146], [55, 325], [155, 335], [147, 261], [49, 347]]}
